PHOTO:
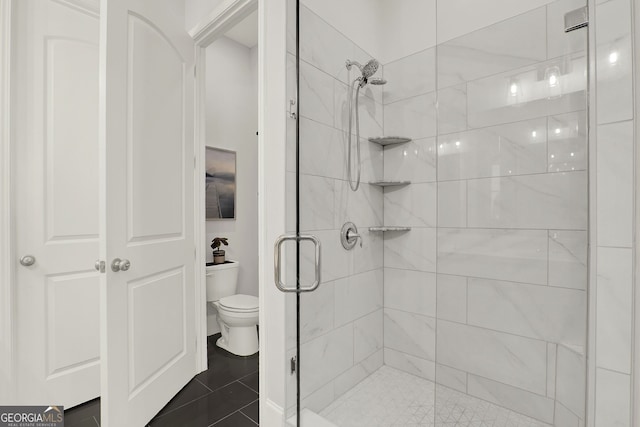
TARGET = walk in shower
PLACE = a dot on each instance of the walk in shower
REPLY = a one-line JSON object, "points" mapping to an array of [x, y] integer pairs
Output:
{"points": [[466, 304]]}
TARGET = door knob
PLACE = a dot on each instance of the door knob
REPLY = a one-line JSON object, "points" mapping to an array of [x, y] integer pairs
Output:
{"points": [[99, 266], [28, 260], [120, 265]]}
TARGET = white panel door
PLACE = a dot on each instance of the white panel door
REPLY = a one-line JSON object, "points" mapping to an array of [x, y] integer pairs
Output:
{"points": [[146, 137], [57, 203]]}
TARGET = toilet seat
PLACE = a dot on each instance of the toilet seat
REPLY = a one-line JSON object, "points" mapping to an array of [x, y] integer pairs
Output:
{"points": [[239, 303]]}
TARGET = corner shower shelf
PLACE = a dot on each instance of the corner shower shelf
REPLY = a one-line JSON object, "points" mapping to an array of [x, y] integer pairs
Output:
{"points": [[390, 183], [389, 140], [383, 229]]}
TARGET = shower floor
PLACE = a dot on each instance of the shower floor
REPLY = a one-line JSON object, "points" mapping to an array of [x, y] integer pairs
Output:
{"points": [[390, 397]]}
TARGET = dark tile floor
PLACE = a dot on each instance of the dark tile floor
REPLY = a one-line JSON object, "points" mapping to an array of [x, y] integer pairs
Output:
{"points": [[226, 395]]}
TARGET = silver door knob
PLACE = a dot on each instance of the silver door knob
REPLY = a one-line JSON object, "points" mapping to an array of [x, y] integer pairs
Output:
{"points": [[28, 260], [120, 265]]}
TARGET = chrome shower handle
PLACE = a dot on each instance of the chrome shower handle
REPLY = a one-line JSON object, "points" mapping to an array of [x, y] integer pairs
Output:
{"points": [[352, 235], [349, 236]]}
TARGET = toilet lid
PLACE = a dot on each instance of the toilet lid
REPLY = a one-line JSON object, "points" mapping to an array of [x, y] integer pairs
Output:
{"points": [[240, 302]]}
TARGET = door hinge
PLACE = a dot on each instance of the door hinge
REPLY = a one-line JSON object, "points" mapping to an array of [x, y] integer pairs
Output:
{"points": [[294, 365], [292, 110]]}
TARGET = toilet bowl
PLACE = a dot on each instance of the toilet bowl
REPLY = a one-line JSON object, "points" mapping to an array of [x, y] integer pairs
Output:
{"points": [[238, 317], [237, 313]]}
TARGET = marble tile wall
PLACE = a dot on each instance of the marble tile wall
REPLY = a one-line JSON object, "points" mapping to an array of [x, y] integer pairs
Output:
{"points": [[342, 322], [497, 257], [487, 293], [612, 213]]}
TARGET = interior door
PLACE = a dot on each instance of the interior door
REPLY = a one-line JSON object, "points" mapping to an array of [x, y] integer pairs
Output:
{"points": [[56, 191], [146, 136]]}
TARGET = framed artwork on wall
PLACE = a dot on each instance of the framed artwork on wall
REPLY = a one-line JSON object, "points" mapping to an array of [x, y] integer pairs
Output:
{"points": [[220, 184]]}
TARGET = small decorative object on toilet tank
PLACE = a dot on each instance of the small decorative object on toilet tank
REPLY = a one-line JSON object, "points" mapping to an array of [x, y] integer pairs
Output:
{"points": [[218, 254]]}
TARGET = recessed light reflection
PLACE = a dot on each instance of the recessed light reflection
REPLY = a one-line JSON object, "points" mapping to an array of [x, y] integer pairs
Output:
{"points": [[513, 89], [441, 145], [557, 131], [573, 154], [613, 57], [534, 134], [553, 156], [457, 143]]}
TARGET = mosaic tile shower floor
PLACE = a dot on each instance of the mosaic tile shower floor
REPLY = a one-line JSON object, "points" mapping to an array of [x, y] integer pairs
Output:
{"points": [[392, 398]]}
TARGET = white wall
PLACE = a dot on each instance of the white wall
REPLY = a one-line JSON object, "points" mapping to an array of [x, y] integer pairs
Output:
{"points": [[232, 123], [196, 10], [392, 29], [356, 19]]}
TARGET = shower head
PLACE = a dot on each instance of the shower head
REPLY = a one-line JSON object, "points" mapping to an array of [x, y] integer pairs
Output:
{"points": [[367, 70], [370, 68]]}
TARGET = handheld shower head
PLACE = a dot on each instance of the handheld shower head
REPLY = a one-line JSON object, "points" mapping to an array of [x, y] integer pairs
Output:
{"points": [[367, 70], [370, 68]]}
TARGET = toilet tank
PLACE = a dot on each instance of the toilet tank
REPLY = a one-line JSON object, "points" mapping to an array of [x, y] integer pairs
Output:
{"points": [[222, 280]]}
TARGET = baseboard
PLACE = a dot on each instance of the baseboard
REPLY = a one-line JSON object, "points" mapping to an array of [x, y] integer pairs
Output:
{"points": [[271, 415]]}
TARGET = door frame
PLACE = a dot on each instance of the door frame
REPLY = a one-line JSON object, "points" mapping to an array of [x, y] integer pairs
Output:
{"points": [[272, 34], [7, 373], [204, 33]]}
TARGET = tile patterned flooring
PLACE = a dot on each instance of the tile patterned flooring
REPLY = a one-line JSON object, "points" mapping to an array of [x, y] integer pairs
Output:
{"points": [[226, 395], [390, 398]]}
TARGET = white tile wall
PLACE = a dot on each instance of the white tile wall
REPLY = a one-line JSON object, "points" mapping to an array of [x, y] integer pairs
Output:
{"points": [[414, 161], [511, 149], [511, 213], [498, 209], [569, 378], [342, 322], [452, 204], [413, 250], [521, 401], [413, 205], [568, 259], [614, 181], [613, 37], [452, 298], [516, 255], [613, 399], [414, 117], [510, 359], [546, 201], [614, 313], [410, 333], [542, 312], [402, 74], [613, 211], [410, 291]]}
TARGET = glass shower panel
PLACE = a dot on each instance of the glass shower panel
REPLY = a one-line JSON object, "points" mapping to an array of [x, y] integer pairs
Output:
{"points": [[512, 223], [461, 299]]}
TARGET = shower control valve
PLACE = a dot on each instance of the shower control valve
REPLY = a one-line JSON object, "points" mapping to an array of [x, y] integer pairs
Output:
{"points": [[349, 236]]}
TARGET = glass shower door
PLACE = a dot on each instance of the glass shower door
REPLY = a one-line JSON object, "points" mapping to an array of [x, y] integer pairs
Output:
{"points": [[446, 181]]}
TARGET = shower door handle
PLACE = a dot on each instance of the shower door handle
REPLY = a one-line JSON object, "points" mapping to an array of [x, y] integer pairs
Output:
{"points": [[277, 263]]}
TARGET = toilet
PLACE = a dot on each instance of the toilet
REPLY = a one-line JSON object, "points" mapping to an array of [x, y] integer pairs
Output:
{"points": [[237, 313]]}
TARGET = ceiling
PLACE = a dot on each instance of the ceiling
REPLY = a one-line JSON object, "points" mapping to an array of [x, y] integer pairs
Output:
{"points": [[246, 31]]}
